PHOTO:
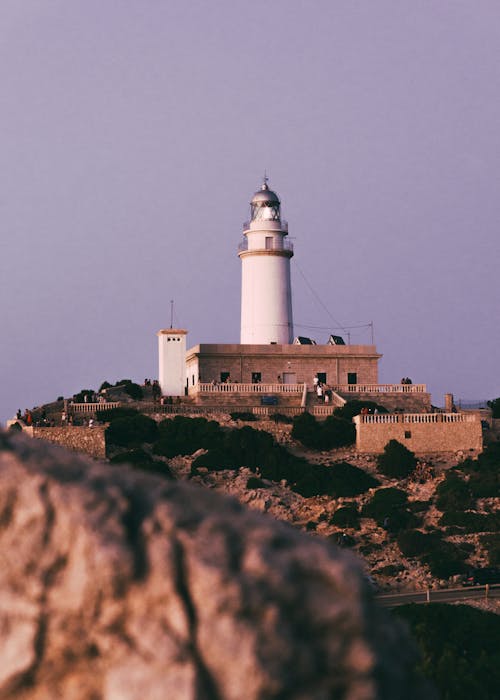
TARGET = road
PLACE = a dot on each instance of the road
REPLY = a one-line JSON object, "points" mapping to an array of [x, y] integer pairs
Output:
{"points": [[444, 595]]}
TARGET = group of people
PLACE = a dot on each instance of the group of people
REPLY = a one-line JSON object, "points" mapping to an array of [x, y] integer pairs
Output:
{"points": [[323, 391], [406, 380]]}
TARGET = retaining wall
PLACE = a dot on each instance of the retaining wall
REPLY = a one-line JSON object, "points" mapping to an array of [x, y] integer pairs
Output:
{"points": [[424, 433], [91, 441]]}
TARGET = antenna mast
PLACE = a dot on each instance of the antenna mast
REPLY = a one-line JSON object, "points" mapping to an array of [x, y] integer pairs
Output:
{"points": [[171, 313]]}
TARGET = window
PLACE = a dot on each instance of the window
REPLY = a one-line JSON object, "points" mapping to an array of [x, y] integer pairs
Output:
{"points": [[224, 376], [407, 434], [352, 378], [269, 242], [256, 377], [321, 377]]}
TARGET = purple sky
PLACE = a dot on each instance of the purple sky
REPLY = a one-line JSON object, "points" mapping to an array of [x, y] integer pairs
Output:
{"points": [[134, 132]]}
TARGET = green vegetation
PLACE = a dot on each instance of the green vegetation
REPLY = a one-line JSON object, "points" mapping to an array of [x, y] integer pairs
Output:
{"points": [[396, 461], [495, 408], [453, 493], [132, 431], [253, 482], [443, 558], [347, 516], [389, 508], [484, 472], [183, 436], [141, 460], [492, 544], [110, 414], [243, 415], [459, 648], [325, 435], [280, 418], [471, 521]]}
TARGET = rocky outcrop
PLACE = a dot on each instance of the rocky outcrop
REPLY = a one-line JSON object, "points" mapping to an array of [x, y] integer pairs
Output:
{"points": [[120, 586]]}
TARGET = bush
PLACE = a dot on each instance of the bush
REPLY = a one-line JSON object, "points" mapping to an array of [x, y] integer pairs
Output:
{"points": [[110, 414], [105, 385], [348, 481], [443, 558], [389, 570], [453, 493], [134, 391], [396, 461], [492, 544], [458, 649], [388, 507], [80, 397], [247, 447], [484, 472], [414, 543], [253, 482], [354, 408], [280, 418], [243, 415], [495, 408], [348, 516], [329, 434], [183, 436], [472, 522], [141, 460], [131, 431]]}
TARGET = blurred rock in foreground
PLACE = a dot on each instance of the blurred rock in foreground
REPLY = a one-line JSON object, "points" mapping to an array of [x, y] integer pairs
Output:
{"points": [[120, 586]]}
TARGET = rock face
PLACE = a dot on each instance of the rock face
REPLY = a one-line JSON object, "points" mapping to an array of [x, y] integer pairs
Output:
{"points": [[120, 586]]}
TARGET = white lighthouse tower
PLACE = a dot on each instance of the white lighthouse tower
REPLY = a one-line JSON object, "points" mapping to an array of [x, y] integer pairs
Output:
{"points": [[266, 294]]}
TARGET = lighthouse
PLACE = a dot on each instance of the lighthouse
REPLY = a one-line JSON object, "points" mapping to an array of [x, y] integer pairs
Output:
{"points": [[266, 294]]}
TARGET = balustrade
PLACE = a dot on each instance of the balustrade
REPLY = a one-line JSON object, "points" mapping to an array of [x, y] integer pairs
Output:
{"points": [[380, 388]]}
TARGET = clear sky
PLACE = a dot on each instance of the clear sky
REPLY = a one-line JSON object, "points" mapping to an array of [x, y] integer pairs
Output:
{"points": [[133, 134]]}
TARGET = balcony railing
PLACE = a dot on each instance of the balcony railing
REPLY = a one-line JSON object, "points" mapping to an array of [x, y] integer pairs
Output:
{"points": [[274, 244], [283, 225], [235, 388], [416, 418], [380, 388]]}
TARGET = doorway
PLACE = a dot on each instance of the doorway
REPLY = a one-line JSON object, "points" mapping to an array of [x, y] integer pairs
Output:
{"points": [[289, 378]]}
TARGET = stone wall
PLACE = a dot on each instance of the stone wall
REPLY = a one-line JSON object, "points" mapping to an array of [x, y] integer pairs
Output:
{"points": [[418, 435], [91, 441], [418, 402]]}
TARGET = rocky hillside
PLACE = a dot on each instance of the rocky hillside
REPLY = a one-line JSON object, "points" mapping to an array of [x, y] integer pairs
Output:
{"points": [[392, 556]]}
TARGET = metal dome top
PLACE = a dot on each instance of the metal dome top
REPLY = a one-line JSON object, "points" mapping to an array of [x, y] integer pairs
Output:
{"points": [[265, 196]]}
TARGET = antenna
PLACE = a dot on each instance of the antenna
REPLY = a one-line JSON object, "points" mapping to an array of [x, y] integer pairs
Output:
{"points": [[265, 181], [171, 313]]}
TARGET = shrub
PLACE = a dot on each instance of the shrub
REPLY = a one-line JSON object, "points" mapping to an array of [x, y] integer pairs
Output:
{"points": [[414, 543], [396, 461], [388, 507], [105, 385], [280, 418], [306, 429], [453, 493], [495, 407], [472, 522], [243, 415], [484, 472], [458, 648], [354, 408], [134, 391], [331, 433], [110, 414], [348, 516], [183, 436], [389, 570], [131, 431], [492, 544], [253, 482], [141, 460], [348, 481], [80, 397]]}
